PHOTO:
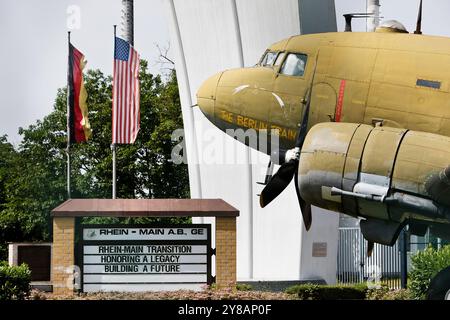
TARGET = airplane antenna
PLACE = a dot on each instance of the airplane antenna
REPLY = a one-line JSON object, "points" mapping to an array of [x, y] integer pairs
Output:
{"points": [[419, 20]]}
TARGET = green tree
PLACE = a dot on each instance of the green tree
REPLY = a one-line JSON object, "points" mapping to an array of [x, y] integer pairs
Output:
{"points": [[7, 157], [9, 226], [37, 181]]}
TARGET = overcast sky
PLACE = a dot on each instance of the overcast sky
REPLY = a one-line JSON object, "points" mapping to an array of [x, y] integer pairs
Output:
{"points": [[33, 59]]}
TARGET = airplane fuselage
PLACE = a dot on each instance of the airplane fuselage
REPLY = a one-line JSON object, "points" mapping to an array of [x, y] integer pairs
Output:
{"points": [[377, 138], [394, 79]]}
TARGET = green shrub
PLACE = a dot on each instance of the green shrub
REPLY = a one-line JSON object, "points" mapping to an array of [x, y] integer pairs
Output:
{"points": [[14, 281], [325, 292], [425, 265]]}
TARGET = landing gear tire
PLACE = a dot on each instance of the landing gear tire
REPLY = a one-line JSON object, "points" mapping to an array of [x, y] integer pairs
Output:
{"points": [[440, 286]]}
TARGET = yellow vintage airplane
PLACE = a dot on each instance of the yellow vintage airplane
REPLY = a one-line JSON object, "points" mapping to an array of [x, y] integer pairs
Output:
{"points": [[363, 121]]}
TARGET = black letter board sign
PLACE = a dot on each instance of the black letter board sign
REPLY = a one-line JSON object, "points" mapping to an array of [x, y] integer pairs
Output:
{"points": [[144, 257]]}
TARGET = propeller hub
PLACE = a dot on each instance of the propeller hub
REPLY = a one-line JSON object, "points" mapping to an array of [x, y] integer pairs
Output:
{"points": [[292, 154]]}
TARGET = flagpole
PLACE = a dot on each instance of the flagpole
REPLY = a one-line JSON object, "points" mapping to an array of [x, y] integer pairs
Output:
{"points": [[68, 118], [113, 145]]}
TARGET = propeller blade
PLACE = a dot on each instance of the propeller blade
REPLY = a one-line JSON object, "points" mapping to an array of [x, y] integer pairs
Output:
{"points": [[306, 214], [370, 246], [278, 183], [304, 207]]}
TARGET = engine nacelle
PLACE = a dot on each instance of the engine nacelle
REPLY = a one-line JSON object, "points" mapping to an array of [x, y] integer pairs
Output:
{"points": [[374, 172]]}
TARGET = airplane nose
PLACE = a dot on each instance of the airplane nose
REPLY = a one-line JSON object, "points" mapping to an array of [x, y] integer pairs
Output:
{"points": [[206, 95]]}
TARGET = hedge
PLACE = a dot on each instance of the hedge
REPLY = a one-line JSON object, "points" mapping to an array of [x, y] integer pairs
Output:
{"points": [[325, 292], [14, 281], [385, 293]]}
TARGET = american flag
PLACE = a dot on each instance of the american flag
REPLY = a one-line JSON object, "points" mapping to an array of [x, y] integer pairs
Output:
{"points": [[126, 93]]}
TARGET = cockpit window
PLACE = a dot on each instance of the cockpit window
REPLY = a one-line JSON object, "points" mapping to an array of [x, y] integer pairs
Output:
{"points": [[269, 59], [294, 65]]}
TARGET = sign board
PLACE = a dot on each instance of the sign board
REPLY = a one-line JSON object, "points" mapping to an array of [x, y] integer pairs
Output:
{"points": [[144, 257], [319, 249]]}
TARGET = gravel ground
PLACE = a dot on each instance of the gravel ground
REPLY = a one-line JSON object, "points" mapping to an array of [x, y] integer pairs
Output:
{"points": [[209, 294]]}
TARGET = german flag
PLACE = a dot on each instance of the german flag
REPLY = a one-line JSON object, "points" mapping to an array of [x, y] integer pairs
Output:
{"points": [[79, 127]]}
